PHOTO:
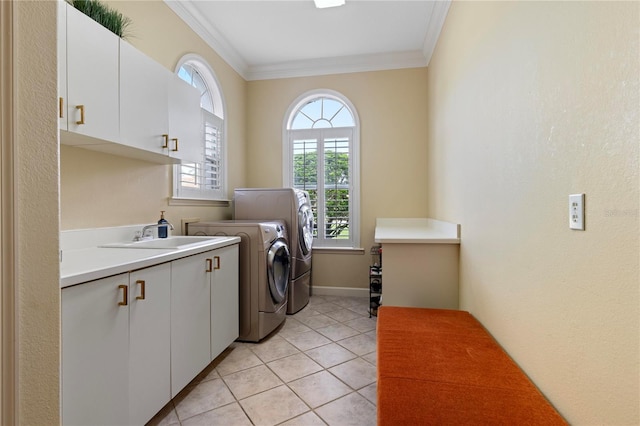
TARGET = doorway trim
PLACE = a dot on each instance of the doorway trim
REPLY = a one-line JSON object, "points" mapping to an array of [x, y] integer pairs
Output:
{"points": [[8, 334]]}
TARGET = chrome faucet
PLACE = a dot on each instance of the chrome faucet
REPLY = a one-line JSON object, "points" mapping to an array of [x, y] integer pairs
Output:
{"points": [[147, 230]]}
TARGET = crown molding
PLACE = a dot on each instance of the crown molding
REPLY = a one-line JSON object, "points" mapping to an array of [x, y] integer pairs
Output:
{"points": [[210, 35], [436, 22], [314, 67], [338, 65]]}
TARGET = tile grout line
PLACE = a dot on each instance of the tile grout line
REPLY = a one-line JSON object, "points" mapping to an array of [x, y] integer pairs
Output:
{"points": [[310, 314], [352, 390]]}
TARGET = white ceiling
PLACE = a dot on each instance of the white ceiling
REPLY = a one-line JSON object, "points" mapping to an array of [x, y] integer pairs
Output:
{"points": [[264, 39]]}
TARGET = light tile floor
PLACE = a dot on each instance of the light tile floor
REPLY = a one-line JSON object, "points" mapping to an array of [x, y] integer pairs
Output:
{"points": [[318, 368]]}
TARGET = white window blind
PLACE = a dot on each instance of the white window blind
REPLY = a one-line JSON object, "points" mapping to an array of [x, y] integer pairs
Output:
{"points": [[322, 164], [205, 179], [321, 143]]}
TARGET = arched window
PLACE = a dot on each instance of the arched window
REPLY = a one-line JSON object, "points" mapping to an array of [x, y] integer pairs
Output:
{"points": [[321, 156], [205, 179]]}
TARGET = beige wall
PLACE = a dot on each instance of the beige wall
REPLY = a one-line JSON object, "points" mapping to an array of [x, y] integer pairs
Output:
{"points": [[525, 104], [392, 109], [37, 222], [530, 102], [104, 190]]}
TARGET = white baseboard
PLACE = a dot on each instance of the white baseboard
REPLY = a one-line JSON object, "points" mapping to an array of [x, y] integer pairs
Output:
{"points": [[339, 291]]}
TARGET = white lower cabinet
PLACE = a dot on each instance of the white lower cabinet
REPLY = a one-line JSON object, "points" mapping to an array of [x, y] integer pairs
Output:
{"points": [[131, 342], [225, 299], [95, 355], [204, 311], [190, 324], [149, 342], [116, 348]]}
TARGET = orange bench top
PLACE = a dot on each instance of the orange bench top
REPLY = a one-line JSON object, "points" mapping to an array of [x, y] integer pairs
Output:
{"points": [[439, 366]]}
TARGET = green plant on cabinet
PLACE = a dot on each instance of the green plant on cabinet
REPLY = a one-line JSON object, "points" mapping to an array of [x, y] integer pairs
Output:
{"points": [[106, 16]]}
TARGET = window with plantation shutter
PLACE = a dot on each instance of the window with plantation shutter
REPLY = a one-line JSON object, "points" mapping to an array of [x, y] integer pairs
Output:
{"points": [[321, 156], [205, 179], [212, 152]]}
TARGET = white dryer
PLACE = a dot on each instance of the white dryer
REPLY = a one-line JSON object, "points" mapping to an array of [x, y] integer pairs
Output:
{"points": [[292, 206], [265, 263]]}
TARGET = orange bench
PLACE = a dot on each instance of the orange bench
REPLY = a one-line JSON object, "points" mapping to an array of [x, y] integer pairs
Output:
{"points": [[442, 367]]}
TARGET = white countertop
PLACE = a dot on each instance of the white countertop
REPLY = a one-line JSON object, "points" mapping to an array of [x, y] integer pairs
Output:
{"points": [[86, 264], [416, 231]]}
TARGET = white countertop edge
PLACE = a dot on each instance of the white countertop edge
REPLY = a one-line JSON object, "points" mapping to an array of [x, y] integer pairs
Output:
{"points": [[416, 231], [128, 259], [73, 239], [432, 240]]}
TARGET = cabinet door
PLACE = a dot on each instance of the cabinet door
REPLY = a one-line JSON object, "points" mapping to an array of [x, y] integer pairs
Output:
{"points": [[149, 342], [190, 319], [144, 98], [185, 121], [95, 340], [62, 64], [92, 77], [225, 303]]}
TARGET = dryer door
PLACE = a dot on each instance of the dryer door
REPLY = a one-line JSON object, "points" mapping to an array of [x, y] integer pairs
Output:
{"points": [[278, 266], [305, 228]]}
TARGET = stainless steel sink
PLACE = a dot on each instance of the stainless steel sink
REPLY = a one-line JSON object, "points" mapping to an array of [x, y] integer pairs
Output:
{"points": [[174, 243]]}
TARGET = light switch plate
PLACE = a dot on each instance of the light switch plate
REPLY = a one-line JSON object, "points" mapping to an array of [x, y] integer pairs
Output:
{"points": [[576, 211]]}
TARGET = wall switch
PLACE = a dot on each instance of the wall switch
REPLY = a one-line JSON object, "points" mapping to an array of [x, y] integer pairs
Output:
{"points": [[576, 211]]}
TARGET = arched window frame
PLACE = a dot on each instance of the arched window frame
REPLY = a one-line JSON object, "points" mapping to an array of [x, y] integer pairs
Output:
{"points": [[354, 162], [183, 194]]}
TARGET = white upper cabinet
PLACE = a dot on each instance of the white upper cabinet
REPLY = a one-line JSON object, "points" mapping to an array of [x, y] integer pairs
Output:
{"points": [[185, 121], [117, 100], [62, 65], [144, 97], [92, 78], [158, 111]]}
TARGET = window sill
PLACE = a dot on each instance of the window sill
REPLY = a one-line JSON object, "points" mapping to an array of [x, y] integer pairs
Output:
{"points": [[338, 250], [198, 202]]}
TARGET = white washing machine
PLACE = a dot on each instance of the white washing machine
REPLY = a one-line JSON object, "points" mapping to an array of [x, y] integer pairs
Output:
{"points": [[265, 263], [292, 206]]}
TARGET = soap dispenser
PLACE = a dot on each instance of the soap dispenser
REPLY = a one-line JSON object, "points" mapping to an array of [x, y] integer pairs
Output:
{"points": [[162, 230]]}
